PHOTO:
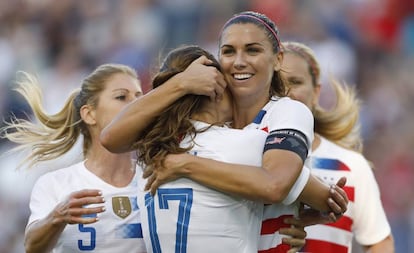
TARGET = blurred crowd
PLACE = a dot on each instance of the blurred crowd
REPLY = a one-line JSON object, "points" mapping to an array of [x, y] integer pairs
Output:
{"points": [[365, 43]]}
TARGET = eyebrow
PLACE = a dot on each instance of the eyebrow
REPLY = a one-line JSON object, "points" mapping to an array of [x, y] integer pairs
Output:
{"points": [[247, 45]]}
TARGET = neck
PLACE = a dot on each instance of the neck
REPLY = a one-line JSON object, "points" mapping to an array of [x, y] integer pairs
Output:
{"points": [[115, 169], [245, 110]]}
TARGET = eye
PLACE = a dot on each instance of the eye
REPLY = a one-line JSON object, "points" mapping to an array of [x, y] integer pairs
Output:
{"points": [[295, 81], [253, 50], [227, 51], [121, 97]]}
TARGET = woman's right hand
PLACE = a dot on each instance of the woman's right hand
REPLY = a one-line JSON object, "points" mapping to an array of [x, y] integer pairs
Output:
{"points": [[75, 210], [171, 169], [201, 79]]}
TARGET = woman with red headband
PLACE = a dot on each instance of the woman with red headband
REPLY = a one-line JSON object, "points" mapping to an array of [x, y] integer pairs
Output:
{"points": [[250, 57]]}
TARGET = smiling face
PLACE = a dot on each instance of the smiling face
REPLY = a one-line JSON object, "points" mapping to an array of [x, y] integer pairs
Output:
{"points": [[248, 61], [296, 71]]}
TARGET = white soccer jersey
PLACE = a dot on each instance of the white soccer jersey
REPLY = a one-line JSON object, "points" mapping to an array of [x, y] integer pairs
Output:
{"points": [[282, 113], [184, 216], [365, 217], [119, 227]]}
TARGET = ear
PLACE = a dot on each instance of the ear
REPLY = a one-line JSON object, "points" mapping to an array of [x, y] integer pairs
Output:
{"points": [[278, 60], [87, 114]]}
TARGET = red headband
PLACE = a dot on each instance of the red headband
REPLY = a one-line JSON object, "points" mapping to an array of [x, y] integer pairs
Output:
{"points": [[258, 19]]}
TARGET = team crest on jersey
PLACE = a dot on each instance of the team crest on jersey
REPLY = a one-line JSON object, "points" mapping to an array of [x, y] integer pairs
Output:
{"points": [[121, 206]]}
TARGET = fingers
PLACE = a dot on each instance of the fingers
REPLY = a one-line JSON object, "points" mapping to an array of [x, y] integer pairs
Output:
{"points": [[80, 207], [294, 243], [150, 181], [85, 193], [84, 215], [294, 221], [147, 172], [338, 200], [202, 60], [341, 182]]}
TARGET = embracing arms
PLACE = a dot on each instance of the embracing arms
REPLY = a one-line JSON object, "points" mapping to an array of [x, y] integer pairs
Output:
{"points": [[127, 126], [270, 184]]}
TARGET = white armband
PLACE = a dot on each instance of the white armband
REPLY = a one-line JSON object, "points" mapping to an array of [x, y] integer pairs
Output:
{"points": [[298, 186]]}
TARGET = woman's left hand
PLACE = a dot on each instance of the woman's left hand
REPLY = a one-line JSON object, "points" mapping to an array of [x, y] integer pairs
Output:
{"points": [[296, 233]]}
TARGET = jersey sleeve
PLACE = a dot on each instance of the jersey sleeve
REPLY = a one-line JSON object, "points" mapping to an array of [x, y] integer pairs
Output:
{"points": [[293, 115], [42, 200], [370, 223]]}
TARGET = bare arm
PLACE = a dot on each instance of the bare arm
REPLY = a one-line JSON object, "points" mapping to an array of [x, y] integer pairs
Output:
{"points": [[42, 235], [268, 184], [127, 126], [384, 246]]}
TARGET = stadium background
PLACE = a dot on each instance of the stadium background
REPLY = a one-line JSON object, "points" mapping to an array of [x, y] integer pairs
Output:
{"points": [[367, 43]]}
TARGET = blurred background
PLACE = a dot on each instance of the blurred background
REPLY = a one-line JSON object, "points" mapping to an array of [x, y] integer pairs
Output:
{"points": [[367, 43]]}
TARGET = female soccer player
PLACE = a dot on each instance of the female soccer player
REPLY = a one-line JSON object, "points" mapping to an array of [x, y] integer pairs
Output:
{"points": [[336, 152], [89, 206]]}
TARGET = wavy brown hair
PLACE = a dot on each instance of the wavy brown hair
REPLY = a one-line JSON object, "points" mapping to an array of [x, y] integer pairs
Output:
{"points": [[50, 136], [164, 135], [339, 124]]}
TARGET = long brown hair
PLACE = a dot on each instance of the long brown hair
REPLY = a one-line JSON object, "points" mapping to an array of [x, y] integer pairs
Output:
{"points": [[164, 135], [51, 136]]}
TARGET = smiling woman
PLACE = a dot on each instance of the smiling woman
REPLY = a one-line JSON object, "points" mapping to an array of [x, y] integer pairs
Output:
{"points": [[96, 196], [250, 58]]}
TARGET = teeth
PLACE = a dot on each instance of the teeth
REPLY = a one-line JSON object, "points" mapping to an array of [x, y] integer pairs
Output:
{"points": [[242, 76]]}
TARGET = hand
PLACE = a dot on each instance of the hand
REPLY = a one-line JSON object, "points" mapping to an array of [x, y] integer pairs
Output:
{"points": [[170, 170], [74, 207], [338, 200], [309, 216], [201, 79], [296, 233]]}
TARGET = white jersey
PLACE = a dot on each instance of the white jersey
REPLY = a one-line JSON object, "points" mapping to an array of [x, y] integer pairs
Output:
{"points": [[184, 216], [365, 217], [119, 226], [282, 113]]}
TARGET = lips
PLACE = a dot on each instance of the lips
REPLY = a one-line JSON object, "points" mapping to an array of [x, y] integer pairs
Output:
{"points": [[242, 76]]}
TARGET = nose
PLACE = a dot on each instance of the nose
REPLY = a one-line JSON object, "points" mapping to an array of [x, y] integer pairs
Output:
{"points": [[239, 61]]}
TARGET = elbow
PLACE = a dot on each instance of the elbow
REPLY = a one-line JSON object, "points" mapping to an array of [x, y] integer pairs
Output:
{"points": [[275, 194], [108, 143]]}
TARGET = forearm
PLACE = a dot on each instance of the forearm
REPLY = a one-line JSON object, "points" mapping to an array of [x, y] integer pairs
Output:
{"points": [[128, 125], [384, 246], [315, 194], [249, 182], [42, 235]]}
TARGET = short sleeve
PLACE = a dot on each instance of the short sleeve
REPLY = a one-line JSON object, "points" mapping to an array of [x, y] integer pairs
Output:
{"points": [[370, 222], [42, 199]]}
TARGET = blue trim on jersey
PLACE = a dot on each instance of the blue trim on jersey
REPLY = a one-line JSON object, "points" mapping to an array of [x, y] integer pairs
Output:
{"points": [[152, 223], [259, 117], [132, 230], [134, 203], [185, 198], [328, 164]]}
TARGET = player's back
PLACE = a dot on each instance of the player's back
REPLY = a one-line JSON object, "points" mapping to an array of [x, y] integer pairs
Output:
{"points": [[185, 216]]}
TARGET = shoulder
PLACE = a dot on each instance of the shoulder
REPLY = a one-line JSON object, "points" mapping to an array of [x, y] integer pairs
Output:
{"points": [[59, 174], [355, 160], [286, 103]]}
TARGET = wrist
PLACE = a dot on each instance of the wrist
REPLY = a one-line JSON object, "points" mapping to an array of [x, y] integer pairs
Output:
{"points": [[178, 84]]}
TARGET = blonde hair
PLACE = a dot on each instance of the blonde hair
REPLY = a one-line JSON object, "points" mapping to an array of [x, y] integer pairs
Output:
{"points": [[339, 124], [51, 136]]}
